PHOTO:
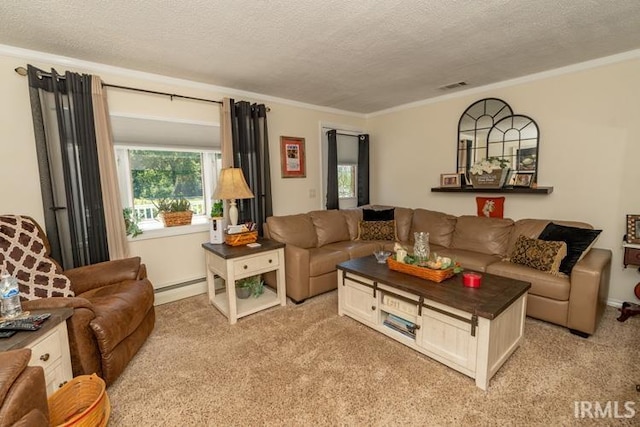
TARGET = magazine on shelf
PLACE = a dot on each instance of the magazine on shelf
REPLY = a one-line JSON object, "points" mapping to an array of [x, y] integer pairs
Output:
{"points": [[401, 330]]}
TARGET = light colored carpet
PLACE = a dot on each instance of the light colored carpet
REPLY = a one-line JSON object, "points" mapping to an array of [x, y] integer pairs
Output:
{"points": [[305, 365]]}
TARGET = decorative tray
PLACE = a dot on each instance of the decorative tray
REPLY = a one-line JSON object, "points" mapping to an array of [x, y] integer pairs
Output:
{"points": [[421, 272]]}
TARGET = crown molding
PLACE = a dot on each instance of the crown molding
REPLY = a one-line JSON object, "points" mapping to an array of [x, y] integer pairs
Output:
{"points": [[95, 67], [581, 66]]}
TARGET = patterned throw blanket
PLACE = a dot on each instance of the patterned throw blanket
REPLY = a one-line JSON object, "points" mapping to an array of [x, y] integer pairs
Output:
{"points": [[23, 255]]}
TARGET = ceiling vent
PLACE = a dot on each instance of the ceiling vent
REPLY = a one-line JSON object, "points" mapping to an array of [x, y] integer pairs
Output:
{"points": [[452, 85]]}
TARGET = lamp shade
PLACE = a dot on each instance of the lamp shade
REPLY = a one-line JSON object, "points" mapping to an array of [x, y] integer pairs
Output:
{"points": [[231, 185]]}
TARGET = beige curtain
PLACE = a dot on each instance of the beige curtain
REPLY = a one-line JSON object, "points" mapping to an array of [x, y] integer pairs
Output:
{"points": [[226, 142], [114, 220]]}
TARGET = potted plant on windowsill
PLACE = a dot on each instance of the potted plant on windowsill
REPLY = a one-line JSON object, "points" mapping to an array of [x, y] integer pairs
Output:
{"points": [[174, 212], [491, 172], [249, 286]]}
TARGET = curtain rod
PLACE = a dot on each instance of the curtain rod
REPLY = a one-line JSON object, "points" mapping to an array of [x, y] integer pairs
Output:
{"points": [[23, 72], [344, 134]]}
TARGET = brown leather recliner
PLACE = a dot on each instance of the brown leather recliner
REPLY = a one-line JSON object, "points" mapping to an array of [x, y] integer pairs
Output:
{"points": [[23, 395], [113, 312]]}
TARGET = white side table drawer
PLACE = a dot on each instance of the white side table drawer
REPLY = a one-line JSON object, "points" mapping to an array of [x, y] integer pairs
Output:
{"points": [[47, 351], [256, 263]]}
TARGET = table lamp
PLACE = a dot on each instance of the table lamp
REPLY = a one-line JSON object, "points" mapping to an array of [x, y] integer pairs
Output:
{"points": [[232, 186]]}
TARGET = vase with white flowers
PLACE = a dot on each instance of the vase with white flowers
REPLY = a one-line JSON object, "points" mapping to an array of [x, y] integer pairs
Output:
{"points": [[491, 172]]}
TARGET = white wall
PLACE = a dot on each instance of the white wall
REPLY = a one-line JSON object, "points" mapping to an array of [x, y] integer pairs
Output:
{"points": [[169, 260], [589, 151]]}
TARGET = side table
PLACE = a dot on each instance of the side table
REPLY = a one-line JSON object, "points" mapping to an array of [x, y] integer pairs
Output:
{"points": [[49, 347], [631, 257], [236, 262]]}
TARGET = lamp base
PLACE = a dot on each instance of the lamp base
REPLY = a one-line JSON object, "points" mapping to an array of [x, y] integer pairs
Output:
{"points": [[233, 212]]}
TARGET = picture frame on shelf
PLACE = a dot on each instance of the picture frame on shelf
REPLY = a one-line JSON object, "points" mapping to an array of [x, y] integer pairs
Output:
{"points": [[450, 180], [633, 229], [292, 157], [522, 179], [526, 159]]}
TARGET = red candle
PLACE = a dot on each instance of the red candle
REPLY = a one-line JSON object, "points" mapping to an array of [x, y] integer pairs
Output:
{"points": [[472, 280]]}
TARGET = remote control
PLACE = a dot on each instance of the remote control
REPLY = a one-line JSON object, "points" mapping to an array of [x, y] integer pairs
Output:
{"points": [[31, 323]]}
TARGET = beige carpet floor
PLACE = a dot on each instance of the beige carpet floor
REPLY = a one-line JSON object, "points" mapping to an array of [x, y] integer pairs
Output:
{"points": [[304, 365]]}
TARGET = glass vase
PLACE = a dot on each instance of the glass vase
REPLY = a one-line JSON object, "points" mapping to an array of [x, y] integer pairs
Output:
{"points": [[421, 249]]}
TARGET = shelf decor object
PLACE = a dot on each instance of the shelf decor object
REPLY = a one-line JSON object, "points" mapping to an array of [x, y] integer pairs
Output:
{"points": [[232, 186]]}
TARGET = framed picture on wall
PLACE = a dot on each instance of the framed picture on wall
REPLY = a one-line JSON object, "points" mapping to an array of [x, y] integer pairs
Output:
{"points": [[633, 229], [292, 157]]}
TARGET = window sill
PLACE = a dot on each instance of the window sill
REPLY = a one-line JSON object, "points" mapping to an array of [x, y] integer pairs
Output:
{"points": [[157, 231]]}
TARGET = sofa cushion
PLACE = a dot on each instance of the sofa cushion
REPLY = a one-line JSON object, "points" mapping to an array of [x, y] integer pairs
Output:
{"points": [[353, 217], [356, 249], [323, 260], [578, 240], [532, 228], [378, 214], [296, 230], [331, 226], [377, 230], [403, 218], [542, 284], [440, 226], [480, 234], [539, 254], [468, 259]]}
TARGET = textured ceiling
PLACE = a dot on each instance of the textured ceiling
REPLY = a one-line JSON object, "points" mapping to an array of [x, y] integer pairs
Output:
{"points": [[358, 55]]}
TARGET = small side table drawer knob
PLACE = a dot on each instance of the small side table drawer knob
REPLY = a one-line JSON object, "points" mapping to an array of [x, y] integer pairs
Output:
{"points": [[44, 357]]}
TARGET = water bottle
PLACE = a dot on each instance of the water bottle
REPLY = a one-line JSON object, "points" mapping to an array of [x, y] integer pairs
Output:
{"points": [[10, 295]]}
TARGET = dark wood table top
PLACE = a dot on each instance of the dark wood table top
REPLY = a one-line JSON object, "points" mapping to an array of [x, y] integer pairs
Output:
{"points": [[24, 338], [228, 252], [489, 300]]}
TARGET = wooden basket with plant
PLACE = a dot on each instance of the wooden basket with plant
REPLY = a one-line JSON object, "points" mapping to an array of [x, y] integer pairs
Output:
{"points": [[174, 212]]}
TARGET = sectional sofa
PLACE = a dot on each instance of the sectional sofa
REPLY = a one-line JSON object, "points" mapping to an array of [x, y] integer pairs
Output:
{"points": [[317, 241]]}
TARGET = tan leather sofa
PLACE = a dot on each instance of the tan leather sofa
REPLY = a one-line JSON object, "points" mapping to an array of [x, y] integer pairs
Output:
{"points": [[318, 240], [113, 312], [23, 396]]}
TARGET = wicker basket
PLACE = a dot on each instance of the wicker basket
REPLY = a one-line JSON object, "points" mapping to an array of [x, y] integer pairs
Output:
{"points": [[171, 219], [421, 272], [83, 401], [240, 239]]}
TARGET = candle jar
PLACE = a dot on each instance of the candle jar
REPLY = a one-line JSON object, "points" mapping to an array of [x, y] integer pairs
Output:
{"points": [[421, 249], [400, 254]]}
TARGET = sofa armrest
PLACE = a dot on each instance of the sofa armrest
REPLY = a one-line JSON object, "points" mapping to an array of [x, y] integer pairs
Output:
{"points": [[297, 272], [589, 290], [105, 273], [57, 302]]}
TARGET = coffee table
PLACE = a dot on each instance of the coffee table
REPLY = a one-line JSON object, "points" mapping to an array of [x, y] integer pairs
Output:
{"points": [[472, 330]]}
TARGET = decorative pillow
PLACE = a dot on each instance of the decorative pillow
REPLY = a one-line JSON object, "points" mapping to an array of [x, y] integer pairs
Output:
{"points": [[491, 207], [24, 255], [377, 230], [378, 215], [539, 254], [578, 240]]}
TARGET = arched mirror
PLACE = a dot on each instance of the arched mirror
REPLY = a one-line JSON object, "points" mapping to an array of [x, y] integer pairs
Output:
{"points": [[515, 138], [473, 130]]}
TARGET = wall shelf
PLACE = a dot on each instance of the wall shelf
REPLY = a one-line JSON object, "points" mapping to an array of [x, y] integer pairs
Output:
{"points": [[504, 190]]}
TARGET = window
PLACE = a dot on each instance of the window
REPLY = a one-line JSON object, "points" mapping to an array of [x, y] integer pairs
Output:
{"points": [[148, 174], [346, 181]]}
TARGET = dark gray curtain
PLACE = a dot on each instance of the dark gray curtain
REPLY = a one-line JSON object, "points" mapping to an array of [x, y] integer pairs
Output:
{"points": [[64, 127], [332, 170], [363, 170], [251, 153]]}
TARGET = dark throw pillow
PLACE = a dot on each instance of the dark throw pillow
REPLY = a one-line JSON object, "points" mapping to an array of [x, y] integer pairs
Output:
{"points": [[377, 230], [378, 215], [578, 241], [539, 254]]}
